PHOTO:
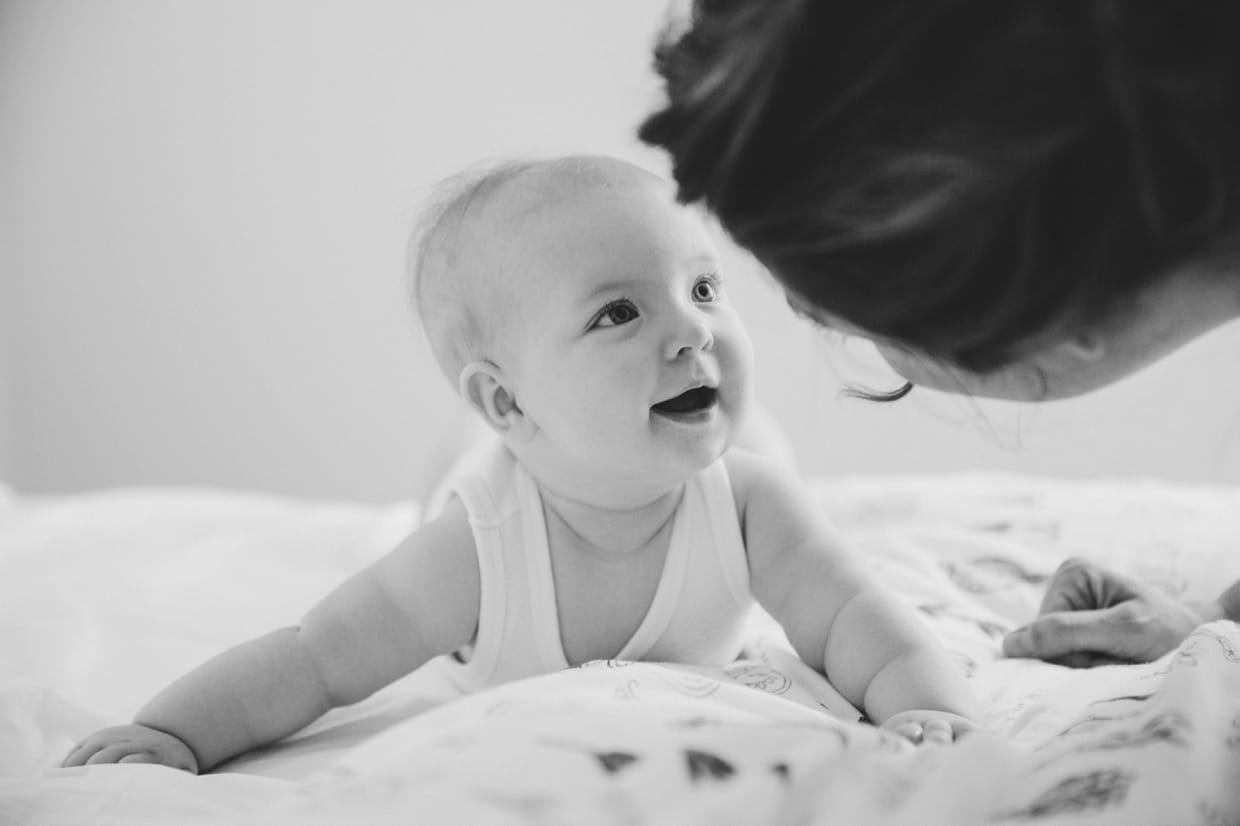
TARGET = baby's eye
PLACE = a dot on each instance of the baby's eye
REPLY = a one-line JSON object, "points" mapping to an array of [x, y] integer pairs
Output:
{"points": [[706, 289], [616, 313]]}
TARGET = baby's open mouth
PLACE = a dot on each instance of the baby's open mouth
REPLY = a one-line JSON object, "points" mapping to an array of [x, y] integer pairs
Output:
{"points": [[690, 401]]}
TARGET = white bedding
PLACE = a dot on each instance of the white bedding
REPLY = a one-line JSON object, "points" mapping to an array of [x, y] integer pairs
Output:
{"points": [[106, 597]]}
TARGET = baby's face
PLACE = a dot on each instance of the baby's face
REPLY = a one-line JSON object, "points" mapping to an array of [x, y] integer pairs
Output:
{"points": [[626, 354]]}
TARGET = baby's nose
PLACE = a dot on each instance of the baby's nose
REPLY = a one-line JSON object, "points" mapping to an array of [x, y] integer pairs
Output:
{"points": [[693, 334]]}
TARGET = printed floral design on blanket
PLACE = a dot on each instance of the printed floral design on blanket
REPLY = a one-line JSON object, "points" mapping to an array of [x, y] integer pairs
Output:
{"points": [[763, 741], [1089, 793]]}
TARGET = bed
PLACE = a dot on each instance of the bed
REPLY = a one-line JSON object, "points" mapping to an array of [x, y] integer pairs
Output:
{"points": [[106, 596]]}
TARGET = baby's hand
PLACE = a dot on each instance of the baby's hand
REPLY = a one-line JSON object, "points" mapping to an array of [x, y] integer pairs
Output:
{"points": [[929, 727], [132, 744]]}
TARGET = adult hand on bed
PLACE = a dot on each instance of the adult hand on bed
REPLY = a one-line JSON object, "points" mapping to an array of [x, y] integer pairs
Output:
{"points": [[132, 743], [1093, 616], [929, 727]]}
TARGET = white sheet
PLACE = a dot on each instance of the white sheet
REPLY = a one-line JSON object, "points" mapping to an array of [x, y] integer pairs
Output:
{"points": [[106, 597]]}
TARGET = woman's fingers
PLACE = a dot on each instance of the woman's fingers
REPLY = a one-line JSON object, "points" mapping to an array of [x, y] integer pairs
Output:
{"points": [[1079, 585], [1053, 636]]}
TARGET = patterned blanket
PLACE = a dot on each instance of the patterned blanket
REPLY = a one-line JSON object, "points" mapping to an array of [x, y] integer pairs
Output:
{"points": [[103, 598]]}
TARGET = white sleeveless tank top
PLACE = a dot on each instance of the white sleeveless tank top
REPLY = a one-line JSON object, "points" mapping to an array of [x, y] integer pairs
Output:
{"points": [[698, 612]]}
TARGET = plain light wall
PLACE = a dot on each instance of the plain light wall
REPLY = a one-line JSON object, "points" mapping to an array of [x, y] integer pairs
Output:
{"points": [[7, 428], [206, 206]]}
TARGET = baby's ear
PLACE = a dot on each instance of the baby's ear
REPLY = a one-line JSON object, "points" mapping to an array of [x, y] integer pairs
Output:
{"points": [[484, 388]]}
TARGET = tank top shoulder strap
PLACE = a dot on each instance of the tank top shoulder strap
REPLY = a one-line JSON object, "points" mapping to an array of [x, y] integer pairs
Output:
{"points": [[720, 509]]}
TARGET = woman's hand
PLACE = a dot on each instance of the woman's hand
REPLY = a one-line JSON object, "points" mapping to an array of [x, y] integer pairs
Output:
{"points": [[132, 743], [925, 726], [1092, 616]]}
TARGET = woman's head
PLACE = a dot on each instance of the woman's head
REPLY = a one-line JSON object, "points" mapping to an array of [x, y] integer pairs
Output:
{"points": [[968, 182]]}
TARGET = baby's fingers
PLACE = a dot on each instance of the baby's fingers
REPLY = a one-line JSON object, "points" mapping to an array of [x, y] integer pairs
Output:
{"points": [[160, 758], [140, 757], [80, 754], [913, 732], [937, 732], [110, 754]]}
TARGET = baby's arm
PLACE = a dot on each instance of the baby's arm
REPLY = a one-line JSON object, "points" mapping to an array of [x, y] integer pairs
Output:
{"points": [[872, 645], [420, 600]]}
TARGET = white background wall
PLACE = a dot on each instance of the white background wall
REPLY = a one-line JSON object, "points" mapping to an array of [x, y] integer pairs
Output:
{"points": [[203, 213]]}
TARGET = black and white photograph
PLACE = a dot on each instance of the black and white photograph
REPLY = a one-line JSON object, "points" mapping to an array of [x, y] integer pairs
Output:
{"points": [[642, 413]]}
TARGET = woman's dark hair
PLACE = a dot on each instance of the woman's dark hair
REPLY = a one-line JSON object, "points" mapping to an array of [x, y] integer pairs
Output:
{"points": [[959, 176]]}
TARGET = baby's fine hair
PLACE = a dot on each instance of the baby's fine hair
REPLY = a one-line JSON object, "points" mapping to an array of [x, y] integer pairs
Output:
{"points": [[442, 284], [456, 287], [960, 176]]}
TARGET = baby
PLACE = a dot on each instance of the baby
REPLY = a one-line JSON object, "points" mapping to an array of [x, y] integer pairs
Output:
{"points": [[582, 313]]}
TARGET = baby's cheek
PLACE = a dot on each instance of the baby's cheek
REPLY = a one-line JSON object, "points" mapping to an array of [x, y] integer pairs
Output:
{"points": [[737, 364]]}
